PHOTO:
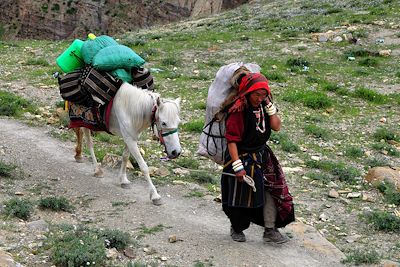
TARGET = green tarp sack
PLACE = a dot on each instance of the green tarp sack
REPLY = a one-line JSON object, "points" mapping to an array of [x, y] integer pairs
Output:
{"points": [[117, 57], [123, 75], [91, 47]]}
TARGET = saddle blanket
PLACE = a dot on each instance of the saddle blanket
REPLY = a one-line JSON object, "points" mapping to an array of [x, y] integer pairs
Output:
{"points": [[93, 118]]}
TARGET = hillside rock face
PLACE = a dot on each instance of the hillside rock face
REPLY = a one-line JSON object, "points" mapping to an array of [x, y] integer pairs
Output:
{"points": [[60, 19]]}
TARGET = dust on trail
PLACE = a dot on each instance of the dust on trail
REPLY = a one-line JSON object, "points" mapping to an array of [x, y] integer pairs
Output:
{"points": [[199, 223]]}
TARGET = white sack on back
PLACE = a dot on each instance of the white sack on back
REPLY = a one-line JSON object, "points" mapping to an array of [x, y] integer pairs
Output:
{"points": [[212, 142]]}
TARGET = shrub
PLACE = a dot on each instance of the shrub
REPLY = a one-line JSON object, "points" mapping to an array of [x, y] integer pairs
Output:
{"points": [[316, 131], [359, 257], [20, 208], [170, 61], [368, 62], [283, 139], [345, 173], [55, 204], [78, 248], [297, 62], [382, 220], [391, 150], [375, 162], [275, 76], [114, 238], [319, 176], [354, 152], [390, 192], [386, 134], [6, 170]]}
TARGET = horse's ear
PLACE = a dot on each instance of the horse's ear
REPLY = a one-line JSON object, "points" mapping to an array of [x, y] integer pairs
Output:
{"points": [[158, 101], [178, 101]]}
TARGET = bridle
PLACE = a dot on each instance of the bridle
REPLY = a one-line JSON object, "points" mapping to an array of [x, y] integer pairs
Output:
{"points": [[161, 132]]}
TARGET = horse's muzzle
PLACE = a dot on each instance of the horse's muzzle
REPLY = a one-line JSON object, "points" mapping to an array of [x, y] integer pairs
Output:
{"points": [[174, 154]]}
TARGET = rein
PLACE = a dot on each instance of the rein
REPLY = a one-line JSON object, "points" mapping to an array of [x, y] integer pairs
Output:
{"points": [[155, 121]]}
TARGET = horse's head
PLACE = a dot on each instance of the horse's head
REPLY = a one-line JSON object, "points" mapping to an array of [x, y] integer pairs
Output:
{"points": [[167, 121]]}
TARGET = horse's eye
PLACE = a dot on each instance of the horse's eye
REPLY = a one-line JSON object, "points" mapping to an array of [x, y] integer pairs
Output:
{"points": [[163, 124]]}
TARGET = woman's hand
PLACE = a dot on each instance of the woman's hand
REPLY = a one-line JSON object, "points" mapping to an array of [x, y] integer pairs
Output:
{"points": [[240, 174]]}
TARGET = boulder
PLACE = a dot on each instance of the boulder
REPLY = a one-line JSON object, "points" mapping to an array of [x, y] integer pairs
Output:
{"points": [[377, 175]]}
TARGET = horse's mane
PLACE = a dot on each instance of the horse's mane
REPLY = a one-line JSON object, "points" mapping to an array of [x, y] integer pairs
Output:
{"points": [[137, 102]]}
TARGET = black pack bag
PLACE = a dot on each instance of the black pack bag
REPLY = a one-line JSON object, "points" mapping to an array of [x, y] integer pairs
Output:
{"points": [[71, 89], [100, 84]]}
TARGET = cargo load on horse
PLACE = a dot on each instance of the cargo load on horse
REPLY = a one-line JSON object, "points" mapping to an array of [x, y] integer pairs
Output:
{"points": [[96, 68]]}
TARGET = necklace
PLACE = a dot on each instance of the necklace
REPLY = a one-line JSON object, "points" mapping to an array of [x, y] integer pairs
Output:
{"points": [[260, 119]]}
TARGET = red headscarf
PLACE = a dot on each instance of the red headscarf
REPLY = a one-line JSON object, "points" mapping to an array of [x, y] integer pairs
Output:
{"points": [[249, 83]]}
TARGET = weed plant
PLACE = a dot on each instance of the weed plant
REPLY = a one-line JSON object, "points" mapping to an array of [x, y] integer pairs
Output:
{"points": [[390, 192], [56, 204], [316, 131], [6, 170], [354, 152], [80, 248], [203, 177], [369, 95], [360, 257], [20, 208], [384, 221], [386, 135], [12, 105], [390, 150], [376, 162], [188, 163], [340, 170], [114, 238]]}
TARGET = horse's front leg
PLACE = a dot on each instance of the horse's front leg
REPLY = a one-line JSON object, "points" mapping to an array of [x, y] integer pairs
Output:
{"points": [[134, 149], [98, 172], [78, 147], [125, 183]]}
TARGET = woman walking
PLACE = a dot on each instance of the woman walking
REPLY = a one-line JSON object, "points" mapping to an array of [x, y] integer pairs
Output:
{"points": [[256, 190]]}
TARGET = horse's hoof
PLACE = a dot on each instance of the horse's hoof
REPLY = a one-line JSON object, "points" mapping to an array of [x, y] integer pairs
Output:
{"points": [[126, 186], [79, 159], [99, 174], [157, 201]]}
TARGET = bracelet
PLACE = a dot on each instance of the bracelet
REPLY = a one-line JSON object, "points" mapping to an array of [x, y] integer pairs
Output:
{"points": [[238, 169], [236, 162]]}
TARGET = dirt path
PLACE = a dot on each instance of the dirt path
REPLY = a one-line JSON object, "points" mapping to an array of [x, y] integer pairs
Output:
{"points": [[199, 223]]}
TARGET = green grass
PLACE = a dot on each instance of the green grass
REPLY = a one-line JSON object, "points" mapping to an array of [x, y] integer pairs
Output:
{"points": [[12, 105], [317, 131], [194, 126], [338, 169]]}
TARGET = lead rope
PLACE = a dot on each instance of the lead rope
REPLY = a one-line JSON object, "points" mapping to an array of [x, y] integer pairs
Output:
{"points": [[246, 178]]}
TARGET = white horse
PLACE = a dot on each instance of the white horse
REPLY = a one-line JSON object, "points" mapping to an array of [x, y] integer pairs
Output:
{"points": [[133, 111]]}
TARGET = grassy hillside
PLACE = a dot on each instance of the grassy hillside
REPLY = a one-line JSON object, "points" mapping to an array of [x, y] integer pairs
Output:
{"points": [[339, 101]]}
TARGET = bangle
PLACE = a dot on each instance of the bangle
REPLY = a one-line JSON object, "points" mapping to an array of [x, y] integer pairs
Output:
{"points": [[236, 162], [238, 169]]}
